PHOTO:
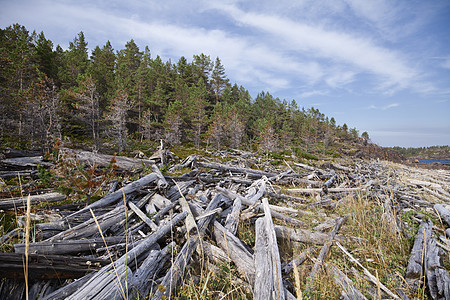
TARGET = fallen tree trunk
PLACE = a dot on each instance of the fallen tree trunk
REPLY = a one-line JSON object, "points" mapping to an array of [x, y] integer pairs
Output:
{"points": [[105, 160], [176, 272], [304, 235], [47, 266], [68, 246], [443, 212], [117, 195], [35, 199], [322, 255], [268, 280], [348, 289]]}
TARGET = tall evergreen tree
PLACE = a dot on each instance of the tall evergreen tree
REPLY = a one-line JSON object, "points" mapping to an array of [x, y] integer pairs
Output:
{"points": [[204, 67], [218, 79], [46, 58], [197, 113], [75, 61], [101, 69]]}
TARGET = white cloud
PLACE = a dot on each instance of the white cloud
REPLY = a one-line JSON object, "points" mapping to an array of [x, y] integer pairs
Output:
{"points": [[385, 107], [318, 42], [313, 93]]}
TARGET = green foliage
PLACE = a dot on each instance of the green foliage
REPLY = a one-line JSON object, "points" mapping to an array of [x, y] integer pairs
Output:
{"points": [[194, 99], [45, 175], [299, 153]]}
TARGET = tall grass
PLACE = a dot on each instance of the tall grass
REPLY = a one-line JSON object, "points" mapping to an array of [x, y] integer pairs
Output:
{"points": [[27, 244]]}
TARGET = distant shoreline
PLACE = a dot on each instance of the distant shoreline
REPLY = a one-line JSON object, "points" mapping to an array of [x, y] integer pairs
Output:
{"points": [[430, 161]]}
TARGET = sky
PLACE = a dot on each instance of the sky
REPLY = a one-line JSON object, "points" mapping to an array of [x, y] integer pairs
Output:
{"points": [[382, 66]]}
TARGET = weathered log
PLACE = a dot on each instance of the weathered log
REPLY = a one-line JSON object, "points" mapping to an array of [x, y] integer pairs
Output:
{"points": [[414, 272], [306, 167], [345, 283], [176, 272], [104, 160], [232, 220], [443, 212], [109, 282], [144, 277], [35, 199], [161, 183], [68, 246], [213, 253], [47, 266], [330, 190], [372, 278], [322, 255], [438, 278], [222, 167], [68, 289], [304, 235], [330, 181], [117, 195], [268, 280], [236, 251], [88, 229], [24, 163], [142, 215]]}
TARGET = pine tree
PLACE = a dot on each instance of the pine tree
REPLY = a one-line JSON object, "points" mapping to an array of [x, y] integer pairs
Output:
{"points": [[75, 62], [218, 79], [216, 130], [197, 112], [101, 69], [204, 67], [173, 123], [17, 74], [46, 58]]}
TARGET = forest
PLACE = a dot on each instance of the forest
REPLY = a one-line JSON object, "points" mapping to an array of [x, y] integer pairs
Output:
{"points": [[112, 99]]}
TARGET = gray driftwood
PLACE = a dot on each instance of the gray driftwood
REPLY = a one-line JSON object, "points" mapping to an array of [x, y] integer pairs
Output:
{"points": [[268, 280]]}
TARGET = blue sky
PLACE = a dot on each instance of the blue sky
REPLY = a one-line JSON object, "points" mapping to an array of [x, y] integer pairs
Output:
{"points": [[382, 66]]}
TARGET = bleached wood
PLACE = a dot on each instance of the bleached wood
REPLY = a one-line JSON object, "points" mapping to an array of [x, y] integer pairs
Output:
{"points": [[232, 220], [345, 283], [142, 215], [444, 213], [315, 271], [35, 199]]}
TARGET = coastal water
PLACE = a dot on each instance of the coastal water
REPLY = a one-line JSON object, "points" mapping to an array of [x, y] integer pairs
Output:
{"points": [[429, 161]]}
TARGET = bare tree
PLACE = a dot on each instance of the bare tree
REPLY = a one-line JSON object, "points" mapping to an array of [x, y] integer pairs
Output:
{"points": [[173, 124], [89, 108], [118, 117], [236, 129], [267, 138], [44, 105]]}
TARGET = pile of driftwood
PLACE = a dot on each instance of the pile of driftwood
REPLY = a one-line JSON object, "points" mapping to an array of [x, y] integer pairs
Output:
{"points": [[144, 238]]}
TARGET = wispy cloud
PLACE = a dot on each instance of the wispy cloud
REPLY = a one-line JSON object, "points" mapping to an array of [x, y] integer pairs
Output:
{"points": [[385, 107], [313, 93], [319, 42]]}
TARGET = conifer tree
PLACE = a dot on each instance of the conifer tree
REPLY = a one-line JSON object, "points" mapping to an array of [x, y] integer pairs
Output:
{"points": [[101, 69], [204, 66], [218, 79], [75, 61], [197, 113], [173, 123], [46, 58]]}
